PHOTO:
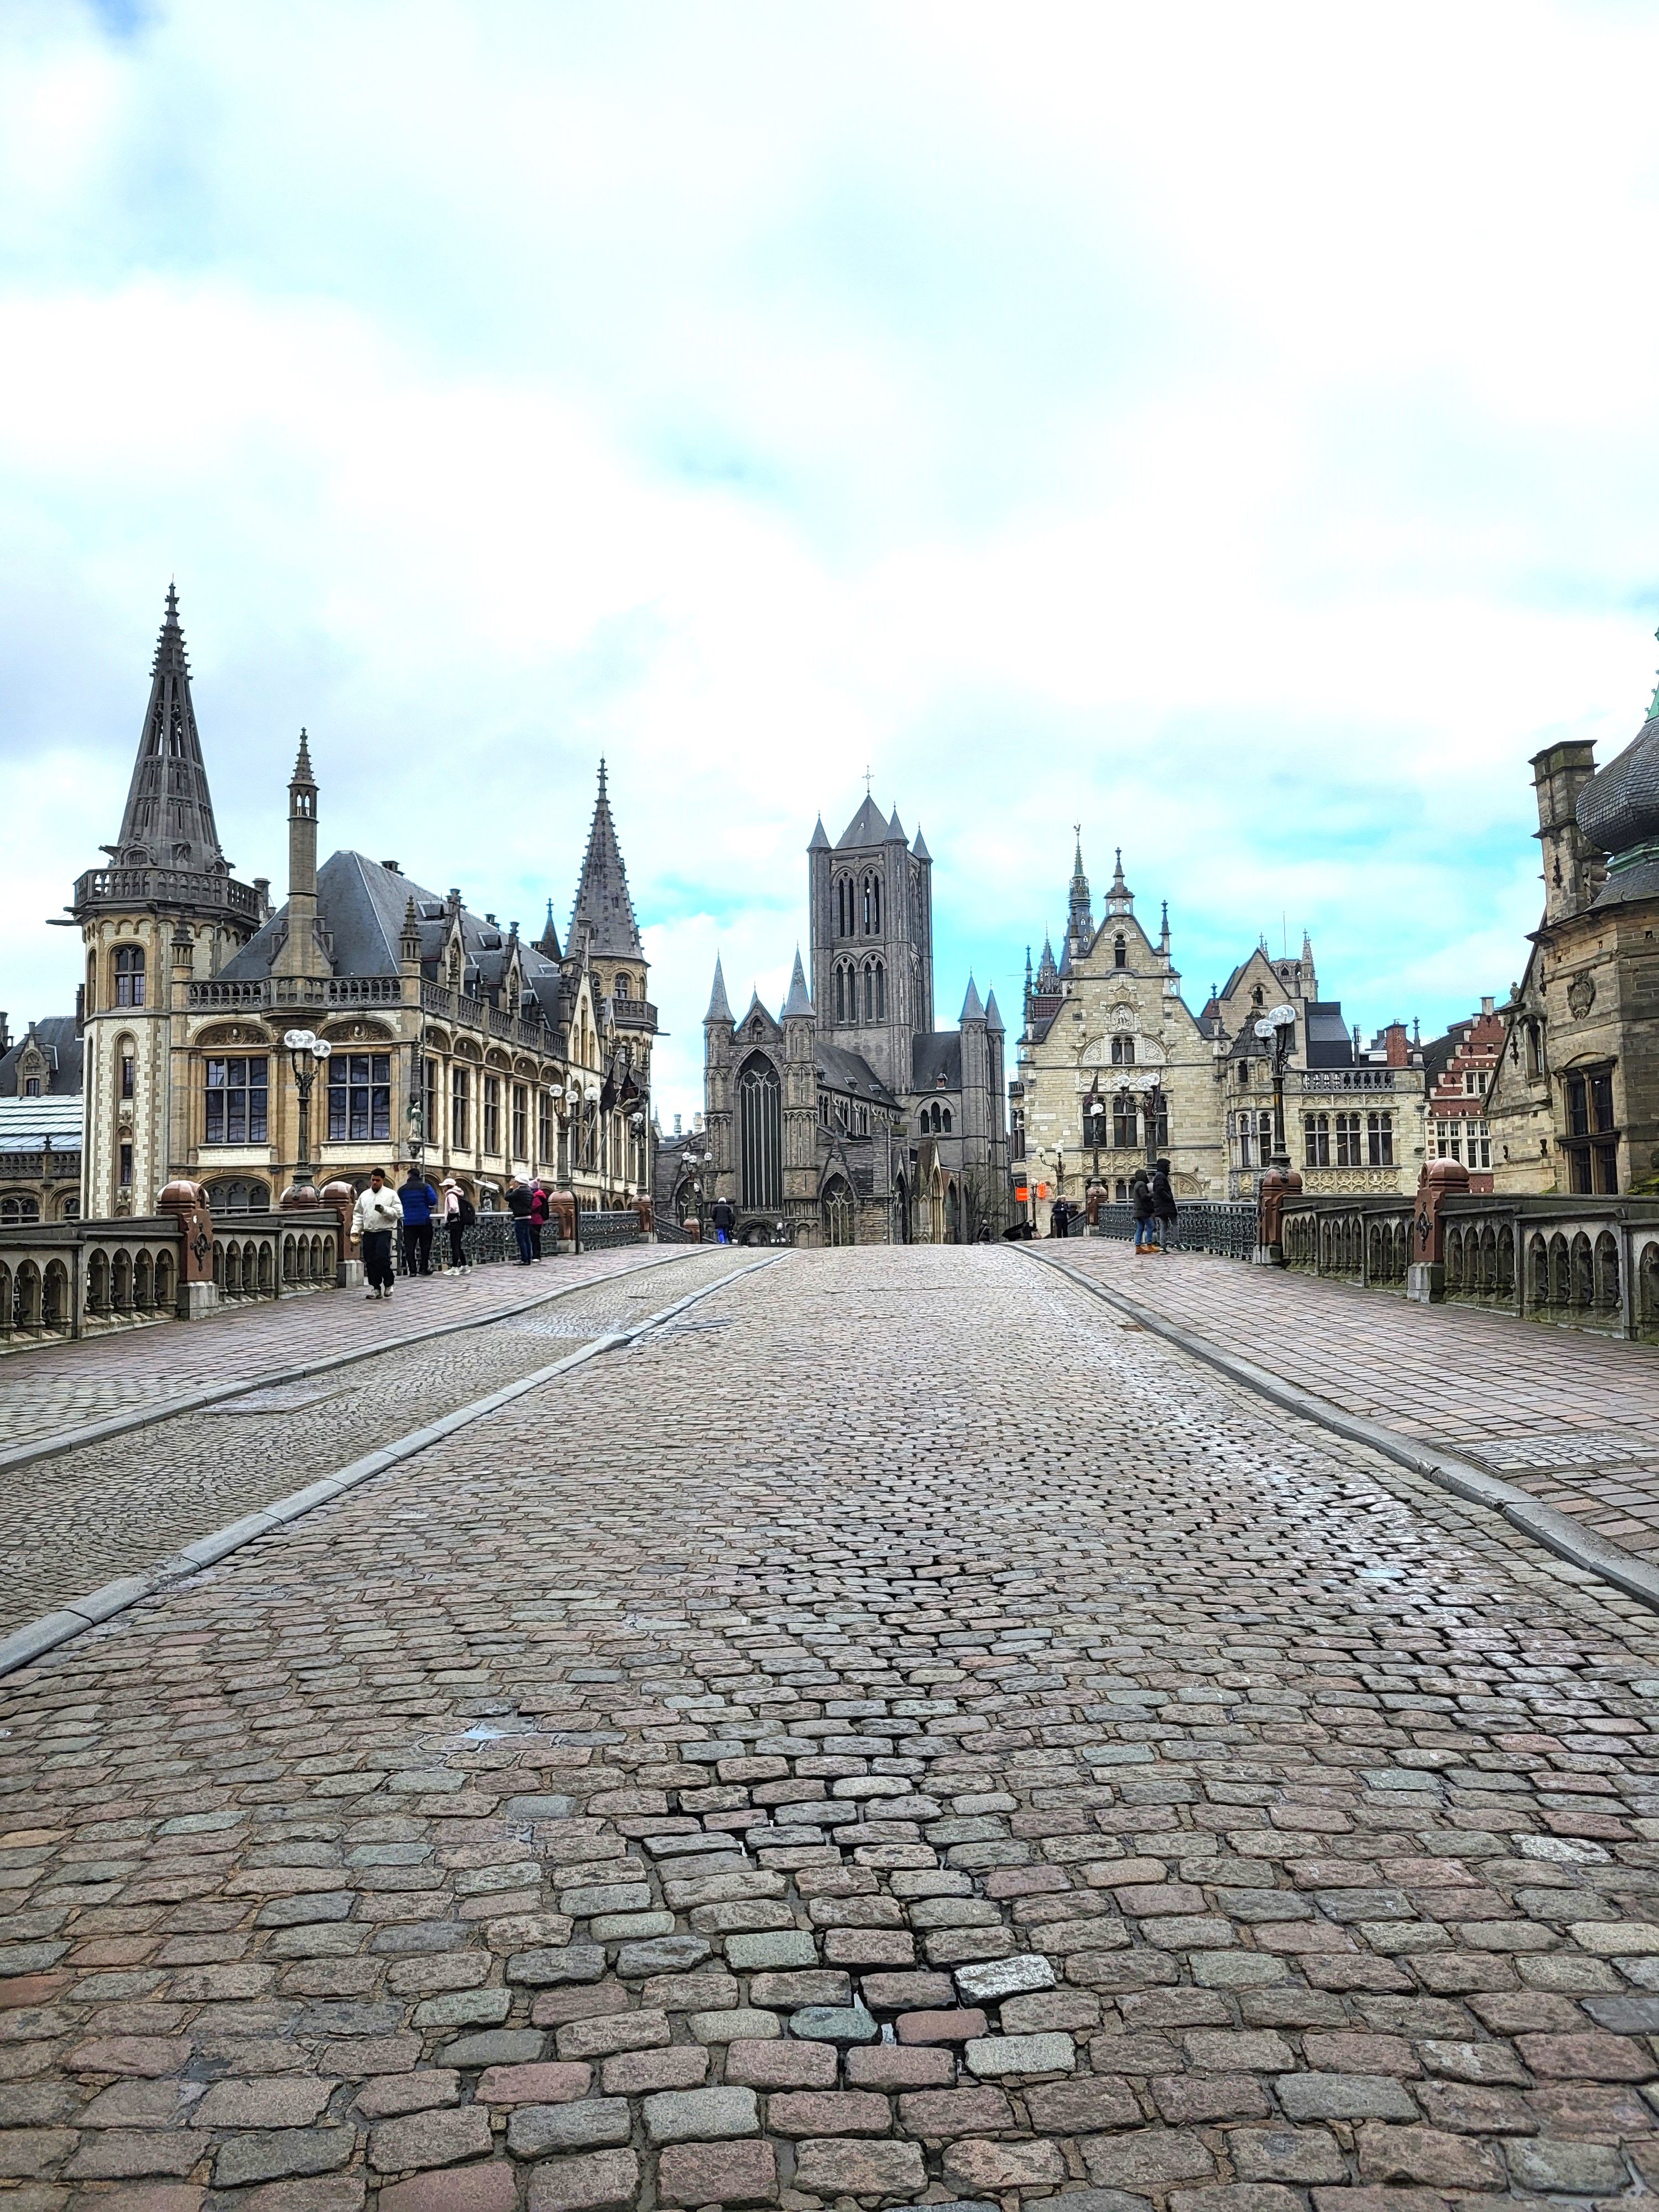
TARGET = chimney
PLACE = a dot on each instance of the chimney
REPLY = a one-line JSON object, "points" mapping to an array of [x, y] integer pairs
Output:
{"points": [[79, 1016], [1571, 873], [1396, 1046], [1488, 1006], [391, 867]]}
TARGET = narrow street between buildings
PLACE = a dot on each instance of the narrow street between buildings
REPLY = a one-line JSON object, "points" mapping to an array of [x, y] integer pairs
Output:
{"points": [[893, 1732]]}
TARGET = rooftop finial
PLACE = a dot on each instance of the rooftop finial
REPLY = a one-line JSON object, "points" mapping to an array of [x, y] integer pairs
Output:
{"points": [[601, 775], [302, 761]]}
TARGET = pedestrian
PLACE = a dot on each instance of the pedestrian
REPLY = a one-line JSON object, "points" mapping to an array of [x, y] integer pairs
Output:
{"points": [[418, 1201], [537, 1215], [725, 1219], [373, 1217], [1164, 1204], [1140, 1206], [458, 1217], [1060, 1219], [518, 1204]]}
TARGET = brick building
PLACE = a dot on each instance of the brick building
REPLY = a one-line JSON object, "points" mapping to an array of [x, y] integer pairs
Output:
{"points": [[1460, 1067]]}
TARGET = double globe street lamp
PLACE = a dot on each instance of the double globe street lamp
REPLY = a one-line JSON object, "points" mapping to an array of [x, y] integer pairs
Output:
{"points": [[1277, 1032], [306, 1053]]}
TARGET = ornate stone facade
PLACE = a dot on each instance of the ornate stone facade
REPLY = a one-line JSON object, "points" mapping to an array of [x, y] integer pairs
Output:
{"points": [[848, 1118], [454, 1041]]}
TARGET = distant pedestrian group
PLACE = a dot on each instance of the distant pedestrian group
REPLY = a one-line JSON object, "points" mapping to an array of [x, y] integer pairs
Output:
{"points": [[1152, 1203], [527, 1203]]}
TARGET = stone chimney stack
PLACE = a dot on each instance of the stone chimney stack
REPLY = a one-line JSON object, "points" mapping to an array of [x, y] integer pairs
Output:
{"points": [[1573, 874]]}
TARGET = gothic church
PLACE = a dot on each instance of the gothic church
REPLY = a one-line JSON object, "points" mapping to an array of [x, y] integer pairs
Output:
{"points": [[848, 1118]]}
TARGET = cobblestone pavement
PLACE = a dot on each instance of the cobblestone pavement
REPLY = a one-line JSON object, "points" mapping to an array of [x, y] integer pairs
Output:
{"points": [[64, 1386], [72, 1524], [898, 1734], [1570, 1418]]}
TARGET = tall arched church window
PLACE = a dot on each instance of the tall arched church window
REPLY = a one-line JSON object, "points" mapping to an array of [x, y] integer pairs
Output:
{"points": [[760, 1129], [945, 1111], [881, 991], [841, 993], [129, 976]]}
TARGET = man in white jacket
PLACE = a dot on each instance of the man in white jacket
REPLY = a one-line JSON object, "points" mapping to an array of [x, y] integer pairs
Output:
{"points": [[376, 1216]]}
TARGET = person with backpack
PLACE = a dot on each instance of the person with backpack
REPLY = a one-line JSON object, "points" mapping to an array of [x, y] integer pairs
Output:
{"points": [[1140, 1208], [459, 1217], [1164, 1204], [518, 1204], [417, 1198], [537, 1216]]}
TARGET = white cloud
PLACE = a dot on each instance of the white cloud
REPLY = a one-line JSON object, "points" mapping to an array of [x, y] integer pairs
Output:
{"points": [[1232, 430]]}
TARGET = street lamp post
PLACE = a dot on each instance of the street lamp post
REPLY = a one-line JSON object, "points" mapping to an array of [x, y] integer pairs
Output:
{"points": [[1150, 1091], [1277, 1032], [306, 1053]]}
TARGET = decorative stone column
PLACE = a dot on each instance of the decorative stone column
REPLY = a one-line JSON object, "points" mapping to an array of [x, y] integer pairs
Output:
{"points": [[1425, 1272], [187, 1202], [648, 1227], [341, 1200], [1276, 1186]]}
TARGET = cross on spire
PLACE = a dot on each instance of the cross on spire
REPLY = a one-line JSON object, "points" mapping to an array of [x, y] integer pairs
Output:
{"points": [[869, 777]]}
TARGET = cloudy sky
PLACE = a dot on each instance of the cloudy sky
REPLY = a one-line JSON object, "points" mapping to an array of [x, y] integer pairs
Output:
{"points": [[1232, 429]]}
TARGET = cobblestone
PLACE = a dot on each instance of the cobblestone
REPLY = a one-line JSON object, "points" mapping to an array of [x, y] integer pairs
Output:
{"points": [[314, 1861], [70, 1523], [1562, 1413]]}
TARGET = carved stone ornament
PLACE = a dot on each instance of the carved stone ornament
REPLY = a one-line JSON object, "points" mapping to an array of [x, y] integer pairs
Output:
{"points": [[1581, 996]]}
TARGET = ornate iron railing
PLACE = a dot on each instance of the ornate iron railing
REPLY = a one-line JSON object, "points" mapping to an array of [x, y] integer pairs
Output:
{"points": [[1205, 1224]]}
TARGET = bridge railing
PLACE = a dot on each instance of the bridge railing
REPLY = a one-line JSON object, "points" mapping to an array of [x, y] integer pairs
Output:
{"points": [[1226, 1226]]}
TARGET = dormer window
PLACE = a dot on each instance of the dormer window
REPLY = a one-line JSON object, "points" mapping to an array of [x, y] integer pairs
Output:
{"points": [[1120, 952], [1256, 995]]}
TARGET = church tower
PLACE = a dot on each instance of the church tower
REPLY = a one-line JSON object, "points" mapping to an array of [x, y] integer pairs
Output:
{"points": [[873, 941], [164, 913]]}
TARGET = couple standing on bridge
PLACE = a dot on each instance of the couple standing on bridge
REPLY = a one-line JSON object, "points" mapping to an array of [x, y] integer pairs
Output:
{"points": [[1152, 1203]]}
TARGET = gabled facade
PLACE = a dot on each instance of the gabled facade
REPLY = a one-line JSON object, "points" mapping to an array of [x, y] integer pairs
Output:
{"points": [[454, 1043], [848, 1118], [1116, 1071], [1574, 1104], [41, 1121]]}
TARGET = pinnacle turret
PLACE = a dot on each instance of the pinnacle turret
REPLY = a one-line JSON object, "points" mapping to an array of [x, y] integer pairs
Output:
{"points": [[799, 1004], [602, 921], [719, 1006], [168, 821]]}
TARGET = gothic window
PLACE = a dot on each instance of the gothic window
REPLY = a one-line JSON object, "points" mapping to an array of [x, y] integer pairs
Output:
{"points": [[869, 990], [1591, 1166], [129, 976], [238, 1197], [19, 1209], [124, 1167], [945, 1111], [1123, 1052], [881, 990], [1347, 1140], [429, 1100], [544, 1125], [1255, 996], [840, 1214], [1379, 1141], [521, 1114], [129, 1069], [1316, 1140], [236, 1101], [870, 892], [760, 1125], [460, 1105], [31, 1085], [1120, 952], [840, 992], [1124, 1121], [624, 985], [492, 1113], [359, 1097]]}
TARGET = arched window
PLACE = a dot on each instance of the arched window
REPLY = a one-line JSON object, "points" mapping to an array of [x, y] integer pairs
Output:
{"points": [[881, 990], [19, 1209], [129, 976], [1120, 952], [129, 1068], [624, 987], [1123, 1052], [946, 1112], [844, 922], [760, 1127], [869, 990], [1255, 996], [871, 898], [840, 992]]}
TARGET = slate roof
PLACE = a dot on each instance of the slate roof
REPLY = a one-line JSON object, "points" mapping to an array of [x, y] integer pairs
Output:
{"points": [[935, 1052], [1329, 1043], [168, 819], [868, 827], [849, 1071], [64, 1053]]}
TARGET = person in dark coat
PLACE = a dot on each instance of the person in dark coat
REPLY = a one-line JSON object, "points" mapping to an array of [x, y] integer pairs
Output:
{"points": [[1164, 1204], [418, 1199], [518, 1204], [725, 1219], [1141, 1209]]}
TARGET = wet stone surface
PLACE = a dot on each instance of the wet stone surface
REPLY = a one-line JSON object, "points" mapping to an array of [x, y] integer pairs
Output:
{"points": [[834, 1758]]}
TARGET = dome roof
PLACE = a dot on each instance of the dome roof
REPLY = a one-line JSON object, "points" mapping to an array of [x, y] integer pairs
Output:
{"points": [[1619, 807]]}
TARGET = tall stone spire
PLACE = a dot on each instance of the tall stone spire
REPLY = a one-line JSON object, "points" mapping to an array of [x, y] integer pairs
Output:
{"points": [[602, 921], [168, 823], [1080, 920], [719, 1006]]}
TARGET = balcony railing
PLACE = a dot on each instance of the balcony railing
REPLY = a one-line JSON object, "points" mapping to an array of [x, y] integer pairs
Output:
{"points": [[313, 994], [1346, 1078], [1206, 1224], [186, 887], [634, 1013]]}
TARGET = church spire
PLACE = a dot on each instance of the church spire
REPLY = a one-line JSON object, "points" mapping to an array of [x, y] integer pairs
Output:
{"points": [[1080, 920], [602, 921], [168, 822]]}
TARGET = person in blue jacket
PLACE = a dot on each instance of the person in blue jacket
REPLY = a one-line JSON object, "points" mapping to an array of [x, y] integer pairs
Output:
{"points": [[419, 1202]]}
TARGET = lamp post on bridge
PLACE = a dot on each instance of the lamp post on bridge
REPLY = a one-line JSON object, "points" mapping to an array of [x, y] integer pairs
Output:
{"points": [[306, 1053]]}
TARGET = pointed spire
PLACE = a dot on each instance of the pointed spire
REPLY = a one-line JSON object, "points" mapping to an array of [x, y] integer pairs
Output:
{"points": [[602, 915], [168, 821], [1079, 917], [920, 848], [895, 830], [548, 942], [819, 841], [1163, 934], [1120, 899], [992, 1018], [302, 774], [799, 1004], [868, 827], [1047, 973], [719, 1007], [972, 1011]]}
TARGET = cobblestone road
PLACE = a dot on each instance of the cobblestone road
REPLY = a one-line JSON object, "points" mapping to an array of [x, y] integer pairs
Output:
{"points": [[894, 1736], [70, 1523], [1570, 1418], [63, 1386]]}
